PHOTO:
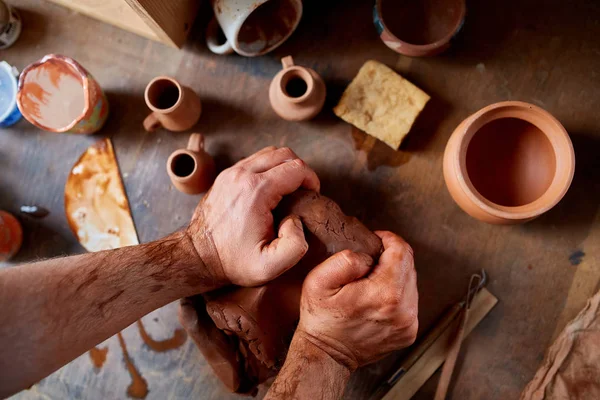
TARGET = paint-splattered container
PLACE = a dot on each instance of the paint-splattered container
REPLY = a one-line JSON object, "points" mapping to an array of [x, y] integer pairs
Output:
{"points": [[9, 113], [58, 95]]}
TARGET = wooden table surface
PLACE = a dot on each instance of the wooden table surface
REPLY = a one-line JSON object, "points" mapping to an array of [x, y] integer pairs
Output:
{"points": [[542, 271]]}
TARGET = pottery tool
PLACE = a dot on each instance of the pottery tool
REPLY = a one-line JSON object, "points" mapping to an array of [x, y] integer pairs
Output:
{"points": [[475, 283], [96, 205], [431, 352]]}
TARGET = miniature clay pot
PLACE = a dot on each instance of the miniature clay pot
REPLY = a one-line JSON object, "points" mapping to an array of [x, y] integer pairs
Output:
{"points": [[174, 106], [296, 93], [509, 163], [11, 236], [192, 170], [58, 95], [418, 28], [251, 27]]}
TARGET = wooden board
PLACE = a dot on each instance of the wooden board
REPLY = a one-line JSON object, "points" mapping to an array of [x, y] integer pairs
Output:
{"points": [[168, 22], [540, 271]]}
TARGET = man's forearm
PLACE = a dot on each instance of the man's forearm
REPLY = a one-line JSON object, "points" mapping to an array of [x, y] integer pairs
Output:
{"points": [[309, 373], [54, 310]]}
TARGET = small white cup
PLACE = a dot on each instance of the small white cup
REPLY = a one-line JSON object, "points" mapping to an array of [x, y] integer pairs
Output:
{"points": [[252, 28]]}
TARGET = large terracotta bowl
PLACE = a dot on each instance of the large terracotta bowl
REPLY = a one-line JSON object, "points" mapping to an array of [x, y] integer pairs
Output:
{"points": [[509, 163], [418, 28]]}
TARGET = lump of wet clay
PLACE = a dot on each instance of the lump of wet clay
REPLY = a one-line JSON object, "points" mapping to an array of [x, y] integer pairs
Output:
{"points": [[244, 333]]}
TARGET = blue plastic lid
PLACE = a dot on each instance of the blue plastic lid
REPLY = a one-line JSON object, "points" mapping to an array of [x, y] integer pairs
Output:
{"points": [[9, 112]]}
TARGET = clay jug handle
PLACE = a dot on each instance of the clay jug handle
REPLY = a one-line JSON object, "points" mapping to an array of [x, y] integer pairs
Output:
{"points": [[287, 62], [196, 143], [151, 123]]}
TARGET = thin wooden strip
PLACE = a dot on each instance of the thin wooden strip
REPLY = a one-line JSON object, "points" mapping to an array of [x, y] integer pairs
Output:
{"points": [[434, 357]]}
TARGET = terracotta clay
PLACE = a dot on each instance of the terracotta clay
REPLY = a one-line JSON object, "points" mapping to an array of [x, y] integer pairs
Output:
{"points": [[418, 28], [296, 93], [244, 333], [509, 163], [174, 106], [11, 236], [192, 170], [58, 95]]}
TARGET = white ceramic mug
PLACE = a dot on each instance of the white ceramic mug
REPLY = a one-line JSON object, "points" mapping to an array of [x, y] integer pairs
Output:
{"points": [[252, 28]]}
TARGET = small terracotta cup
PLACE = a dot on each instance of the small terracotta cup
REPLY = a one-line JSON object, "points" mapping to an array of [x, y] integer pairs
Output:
{"points": [[509, 163], [418, 28], [58, 95], [174, 106], [11, 236], [296, 93], [192, 170]]}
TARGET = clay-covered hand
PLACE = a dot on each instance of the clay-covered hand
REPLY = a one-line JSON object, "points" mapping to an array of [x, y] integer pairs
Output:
{"points": [[232, 228], [356, 312]]}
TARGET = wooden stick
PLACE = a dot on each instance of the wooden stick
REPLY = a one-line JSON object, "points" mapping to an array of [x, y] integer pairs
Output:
{"points": [[435, 355]]}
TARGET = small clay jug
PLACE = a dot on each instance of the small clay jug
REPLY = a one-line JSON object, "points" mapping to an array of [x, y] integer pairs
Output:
{"points": [[174, 106], [192, 170], [11, 236], [509, 163], [296, 93]]}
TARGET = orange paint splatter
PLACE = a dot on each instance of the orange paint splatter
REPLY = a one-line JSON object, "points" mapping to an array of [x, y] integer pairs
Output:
{"points": [[98, 356], [139, 387], [178, 339]]}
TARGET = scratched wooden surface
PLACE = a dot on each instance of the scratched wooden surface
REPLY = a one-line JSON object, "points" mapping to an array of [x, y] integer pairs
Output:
{"points": [[542, 272]]}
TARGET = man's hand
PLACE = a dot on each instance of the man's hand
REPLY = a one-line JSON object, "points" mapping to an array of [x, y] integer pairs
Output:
{"points": [[232, 228], [357, 313], [351, 314]]}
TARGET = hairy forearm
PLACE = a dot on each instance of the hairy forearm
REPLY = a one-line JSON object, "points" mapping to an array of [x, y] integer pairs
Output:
{"points": [[54, 310], [309, 373]]}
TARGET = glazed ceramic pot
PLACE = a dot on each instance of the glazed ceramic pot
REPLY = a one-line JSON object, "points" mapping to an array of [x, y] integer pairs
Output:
{"points": [[250, 27], [58, 95], [418, 28], [174, 106], [296, 93], [11, 236], [509, 163], [192, 170]]}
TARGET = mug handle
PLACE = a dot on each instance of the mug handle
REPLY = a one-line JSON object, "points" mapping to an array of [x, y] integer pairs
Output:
{"points": [[196, 142], [212, 33], [151, 123]]}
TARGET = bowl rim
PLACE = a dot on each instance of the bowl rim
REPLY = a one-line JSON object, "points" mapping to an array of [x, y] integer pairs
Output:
{"points": [[554, 132], [429, 47]]}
